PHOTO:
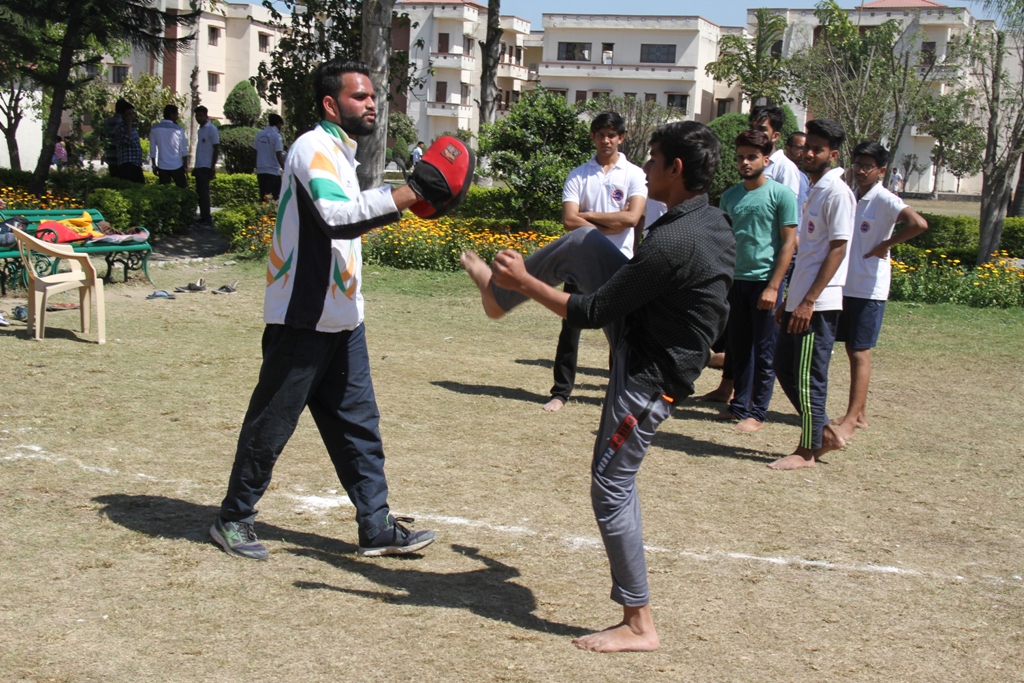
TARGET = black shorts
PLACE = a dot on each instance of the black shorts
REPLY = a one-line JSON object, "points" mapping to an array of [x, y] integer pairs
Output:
{"points": [[860, 322]]}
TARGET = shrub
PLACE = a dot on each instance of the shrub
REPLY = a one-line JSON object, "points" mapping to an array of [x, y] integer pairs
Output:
{"points": [[232, 221], [11, 178], [234, 189], [487, 202], [242, 106], [726, 128], [550, 228], [161, 209], [1013, 237], [949, 232], [151, 178], [236, 148], [941, 279], [115, 208]]}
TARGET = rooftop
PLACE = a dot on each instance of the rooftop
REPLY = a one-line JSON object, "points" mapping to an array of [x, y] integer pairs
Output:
{"points": [[903, 4]]}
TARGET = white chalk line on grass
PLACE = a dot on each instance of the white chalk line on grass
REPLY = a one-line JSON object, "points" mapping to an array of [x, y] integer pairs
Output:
{"points": [[323, 504]]}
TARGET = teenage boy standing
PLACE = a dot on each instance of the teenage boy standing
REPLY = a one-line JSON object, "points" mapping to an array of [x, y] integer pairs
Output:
{"points": [[869, 274], [764, 220], [769, 119], [608, 193], [814, 300], [270, 157], [205, 167]]}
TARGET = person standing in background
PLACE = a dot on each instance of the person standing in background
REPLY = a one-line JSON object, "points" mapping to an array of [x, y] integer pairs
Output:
{"points": [[205, 169], [270, 157], [168, 147]]}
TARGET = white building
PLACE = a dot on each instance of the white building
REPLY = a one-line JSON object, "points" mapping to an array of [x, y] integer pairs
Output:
{"points": [[444, 41], [932, 27], [660, 58]]}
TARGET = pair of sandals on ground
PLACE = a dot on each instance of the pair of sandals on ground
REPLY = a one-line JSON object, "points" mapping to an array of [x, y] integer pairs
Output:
{"points": [[197, 286]]}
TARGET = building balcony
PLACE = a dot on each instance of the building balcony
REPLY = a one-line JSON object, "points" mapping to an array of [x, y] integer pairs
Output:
{"points": [[508, 70], [459, 12], [452, 109], [631, 71], [452, 60], [512, 24]]}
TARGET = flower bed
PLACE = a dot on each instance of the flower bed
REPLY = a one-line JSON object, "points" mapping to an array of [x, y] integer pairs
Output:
{"points": [[936, 278], [15, 198]]}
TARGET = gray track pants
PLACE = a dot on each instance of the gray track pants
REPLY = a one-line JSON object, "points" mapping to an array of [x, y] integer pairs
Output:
{"points": [[629, 418]]}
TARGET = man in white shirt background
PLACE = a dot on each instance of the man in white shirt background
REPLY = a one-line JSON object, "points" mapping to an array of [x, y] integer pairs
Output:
{"points": [[269, 157], [609, 193], [168, 147], [205, 168]]}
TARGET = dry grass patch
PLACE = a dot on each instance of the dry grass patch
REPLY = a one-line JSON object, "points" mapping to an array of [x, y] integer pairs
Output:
{"points": [[898, 559]]}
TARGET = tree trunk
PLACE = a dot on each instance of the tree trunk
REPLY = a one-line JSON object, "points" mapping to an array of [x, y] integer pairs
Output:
{"points": [[993, 183], [376, 53], [489, 64], [11, 133], [1017, 207], [60, 91], [193, 130]]}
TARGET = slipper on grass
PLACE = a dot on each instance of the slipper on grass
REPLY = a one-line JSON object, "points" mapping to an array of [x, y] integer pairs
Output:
{"points": [[227, 289], [197, 286], [161, 294], [62, 307]]}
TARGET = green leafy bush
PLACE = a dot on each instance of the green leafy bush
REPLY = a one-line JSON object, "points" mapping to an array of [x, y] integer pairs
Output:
{"points": [[13, 179], [726, 128], [234, 189], [242, 106], [236, 148], [231, 221], [1013, 237], [487, 202], [115, 208], [949, 232], [939, 278], [161, 209], [248, 228], [549, 228]]}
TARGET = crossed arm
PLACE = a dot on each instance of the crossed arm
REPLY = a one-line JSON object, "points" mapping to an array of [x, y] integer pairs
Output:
{"points": [[609, 223]]}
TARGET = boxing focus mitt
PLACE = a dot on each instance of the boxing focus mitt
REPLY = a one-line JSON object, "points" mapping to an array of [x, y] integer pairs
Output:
{"points": [[442, 177]]}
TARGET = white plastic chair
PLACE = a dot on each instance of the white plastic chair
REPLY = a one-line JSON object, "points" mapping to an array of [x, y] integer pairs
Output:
{"points": [[82, 277]]}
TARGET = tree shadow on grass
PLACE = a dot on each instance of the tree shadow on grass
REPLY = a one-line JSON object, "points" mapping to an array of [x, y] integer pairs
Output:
{"points": [[682, 413], [516, 394], [699, 448], [550, 364], [487, 592]]}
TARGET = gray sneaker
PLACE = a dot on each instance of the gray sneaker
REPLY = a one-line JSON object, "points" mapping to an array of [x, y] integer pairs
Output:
{"points": [[238, 538], [396, 539]]}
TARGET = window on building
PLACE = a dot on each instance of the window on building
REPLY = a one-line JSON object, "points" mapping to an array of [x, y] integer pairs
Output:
{"points": [[650, 97], [467, 45], [564, 94], [464, 93], [723, 107], [600, 94], [118, 74], [574, 52], [264, 42], [212, 81], [519, 56], [631, 96], [777, 49], [443, 42], [92, 70], [213, 35], [675, 101], [607, 53], [928, 52], [441, 92], [658, 54], [581, 96], [501, 52]]}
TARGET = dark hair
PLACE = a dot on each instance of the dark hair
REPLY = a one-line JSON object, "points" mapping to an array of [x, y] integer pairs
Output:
{"points": [[170, 110], [870, 148], [756, 139], [202, 110], [608, 119], [828, 129], [791, 140], [329, 76], [697, 147], [275, 120], [122, 105], [419, 143], [774, 114], [59, 139]]}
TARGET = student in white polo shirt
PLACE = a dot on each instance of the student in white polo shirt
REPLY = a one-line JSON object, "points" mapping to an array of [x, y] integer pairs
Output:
{"points": [[869, 274], [269, 157], [609, 193], [168, 148], [810, 315]]}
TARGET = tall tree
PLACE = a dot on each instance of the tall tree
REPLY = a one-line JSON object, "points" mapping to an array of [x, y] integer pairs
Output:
{"points": [[377, 16], [949, 119], [490, 52], [752, 61], [72, 30]]}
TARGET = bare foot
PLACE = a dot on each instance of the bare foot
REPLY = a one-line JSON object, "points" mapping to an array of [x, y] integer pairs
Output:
{"points": [[554, 405], [844, 430], [480, 273], [717, 396], [801, 458], [725, 415], [748, 426], [635, 633]]}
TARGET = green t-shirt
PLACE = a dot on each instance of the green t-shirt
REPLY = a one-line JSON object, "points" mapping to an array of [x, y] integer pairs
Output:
{"points": [[756, 219]]}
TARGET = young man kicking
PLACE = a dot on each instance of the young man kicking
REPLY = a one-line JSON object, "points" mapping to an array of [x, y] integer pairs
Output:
{"points": [[660, 310], [867, 280], [608, 193], [814, 299], [764, 219]]}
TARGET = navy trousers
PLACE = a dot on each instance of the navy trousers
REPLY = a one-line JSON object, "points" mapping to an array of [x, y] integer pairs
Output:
{"points": [[801, 364], [330, 373], [752, 338]]}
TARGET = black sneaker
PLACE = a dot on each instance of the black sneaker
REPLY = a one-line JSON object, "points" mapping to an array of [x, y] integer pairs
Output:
{"points": [[396, 539], [238, 538]]}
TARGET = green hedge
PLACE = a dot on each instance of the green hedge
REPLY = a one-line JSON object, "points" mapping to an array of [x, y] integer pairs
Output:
{"points": [[116, 208], [234, 189], [161, 209], [487, 202], [236, 148]]}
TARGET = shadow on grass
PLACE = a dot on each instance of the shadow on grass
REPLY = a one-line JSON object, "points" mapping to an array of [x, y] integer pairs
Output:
{"points": [[48, 333], [550, 364], [487, 592], [507, 392], [692, 414], [699, 448]]}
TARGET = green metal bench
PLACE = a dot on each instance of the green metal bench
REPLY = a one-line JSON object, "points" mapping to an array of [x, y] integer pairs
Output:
{"points": [[131, 256]]}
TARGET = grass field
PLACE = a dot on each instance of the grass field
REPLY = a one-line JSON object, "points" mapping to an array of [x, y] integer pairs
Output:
{"points": [[899, 558]]}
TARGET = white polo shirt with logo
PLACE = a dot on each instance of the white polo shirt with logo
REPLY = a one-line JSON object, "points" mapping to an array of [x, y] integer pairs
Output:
{"points": [[208, 137], [877, 212], [784, 171], [267, 144], [828, 215], [594, 190]]}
